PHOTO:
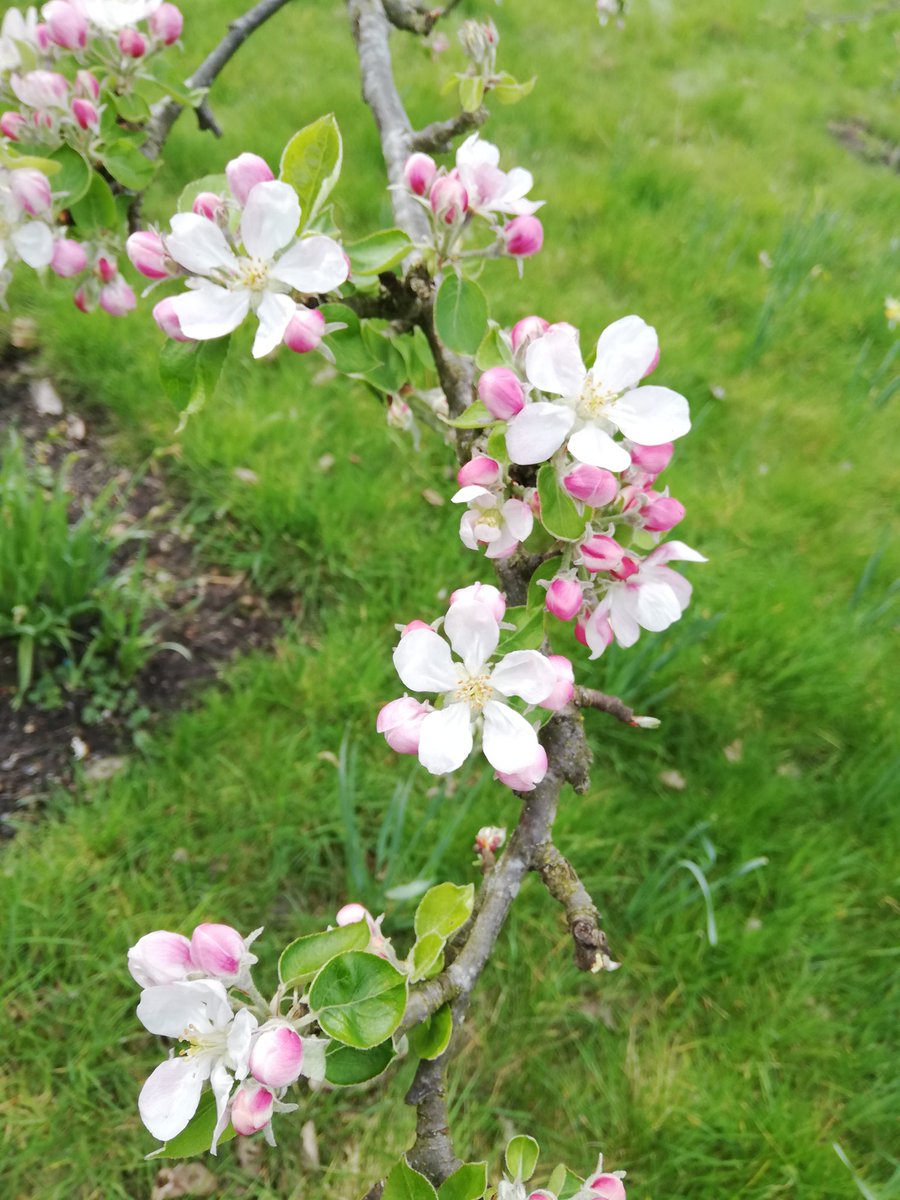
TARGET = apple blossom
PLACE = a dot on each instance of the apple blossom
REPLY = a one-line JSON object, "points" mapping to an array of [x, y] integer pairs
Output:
{"points": [[401, 723], [419, 173], [117, 298], [244, 173], [480, 470], [148, 254], [449, 200], [662, 513], [564, 689], [276, 1056], [528, 777], [160, 957], [110, 16], [69, 258], [132, 43], [208, 204], [220, 951], [11, 125], [524, 236], [166, 318], [602, 553], [251, 1108], [107, 268], [478, 593], [525, 331], [492, 521], [41, 90], [564, 597], [501, 392], [305, 330], [85, 113], [490, 837], [489, 189], [31, 190], [591, 485], [166, 23], [66, 24], [87, 84]]}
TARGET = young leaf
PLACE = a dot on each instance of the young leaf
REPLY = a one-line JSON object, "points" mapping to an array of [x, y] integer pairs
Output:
{"points": [[378, 252], [196, 1137], [96, 210], [190, 372], [311, 164], [73, 177], [494, 350], [125, 163], [350, 353], [476, 416], [358, 999], [404, 1183], [443, 909], [303, 957], [559, 516], [432, 1037], [426, 957], [132, 108], [521, 1156], [460, 314], [345, 1066], [471, 92], [528, 633], [506, 89], [388, 372], [571, 1185], [468, 1182]]}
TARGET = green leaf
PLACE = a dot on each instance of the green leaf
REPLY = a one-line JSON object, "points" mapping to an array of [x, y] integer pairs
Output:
{"points": [[494, 350], [350, 353], [468, 1182], [443, 909], [196, 1138], [528, 633], [311, 164], [208, 183], [431, 1038], [506, 89], [460, 314], [359, 999], [571, 1185], [345, 1066], [537, 596], [471, 92], [190, 372], [132, 108], [73, 174], [388, 372], [496, 446], [125, 163], [476, 416], [96, 210], [307, 955], [426, 955], [404, 1183], [559, 516], [167, 75], [521, 1156], [378, 252]]}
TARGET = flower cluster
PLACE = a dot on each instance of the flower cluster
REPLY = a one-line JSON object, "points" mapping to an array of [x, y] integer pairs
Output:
{"points": [[25, 205], [605, 441], [476, 190], [599, 1185], [241, 254], [474, 687]]}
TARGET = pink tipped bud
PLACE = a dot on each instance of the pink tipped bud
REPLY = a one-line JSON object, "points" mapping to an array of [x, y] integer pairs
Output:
{"points": [[166, 316], [449, 199], [219, 950], [490, 837], [601, 553], [11, 125], [591, 485], [66, 25], [480, 470], [148, 254], [31, 189], [276, 1056], [87, 84], [352, 914], [526, 330], [663, 514], [501, 392], [419, 173], [305, 330], [244, 173], [107, 269], [69, 258], [160, 957], [540, 1194], [564, 598], [606, 1187], [117, 298], [401, 723], [564, 688], [82, 300], [652, 459], [42, 37], [482, 593], [529, 777], [524, 236], [207, 204], [416, 624], [85, 113], [251, 1109], [132, 44], [166, 23]]}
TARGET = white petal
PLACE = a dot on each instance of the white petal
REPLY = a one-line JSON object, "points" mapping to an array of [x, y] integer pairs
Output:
{"points": [[652, 415], [553, 363], [475, 150], [470, 492], [657, 606], [239, 1037], [313, 264], [33, 243], [198, 244], [270, 219], [674, 552], [680, 586], [518, 519], [467, 525], [170, 1096], [524, 673], [473, 632], [510, 743], [275, 312], [445, 739], [169, 1009], [313, 1063], [622, 604], [423, 662], [595, 447], [221, 1083], [625, 352], [538, 431], [210, 311]]}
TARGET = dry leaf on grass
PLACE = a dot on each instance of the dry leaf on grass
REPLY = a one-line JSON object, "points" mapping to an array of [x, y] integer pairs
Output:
{"points": [[184, 1179]]}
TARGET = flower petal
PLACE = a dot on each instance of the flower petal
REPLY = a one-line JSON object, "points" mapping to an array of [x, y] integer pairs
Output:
{"points": [[657, 606], [221, 1083], [674, 552], [198, 244], [518, 519], [169, 1009], [239, 1037], [424, 663], [275, 312], [473, 632], [553, 363], [33, 243], [652, 415], [625, 351], [270, 219], [472, 491], [595, 447], [538, 431], [622, 604], [524, 673], [170, 1096], [210, 311], [510, 743], [312, 265], [446, 738]]}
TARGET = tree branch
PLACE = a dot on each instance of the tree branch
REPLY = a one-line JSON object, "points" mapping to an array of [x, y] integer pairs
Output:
{"points": [[437, 137], [591, 698], [563, 884], [432, 1154]]}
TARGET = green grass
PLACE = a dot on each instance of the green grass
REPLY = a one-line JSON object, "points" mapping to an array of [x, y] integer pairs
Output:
{"points": [[672, 155]]}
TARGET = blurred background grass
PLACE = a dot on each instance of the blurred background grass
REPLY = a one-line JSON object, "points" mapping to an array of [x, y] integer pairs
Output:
{"points": [[690, 177]]}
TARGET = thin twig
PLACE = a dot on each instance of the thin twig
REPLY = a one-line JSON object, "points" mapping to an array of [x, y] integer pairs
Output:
{"points": [[561, 881], [406, 14], [591, 698], [437, 137]]}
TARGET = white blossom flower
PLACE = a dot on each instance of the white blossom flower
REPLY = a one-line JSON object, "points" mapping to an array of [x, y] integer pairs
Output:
{"points": [[21, 236], [270, 263], [490, 189], [594, 404], [113, 15], [492, 521], [18, 29]]}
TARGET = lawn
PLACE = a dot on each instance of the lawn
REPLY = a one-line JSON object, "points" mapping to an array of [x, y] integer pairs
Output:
{"points": [[690, 176]]}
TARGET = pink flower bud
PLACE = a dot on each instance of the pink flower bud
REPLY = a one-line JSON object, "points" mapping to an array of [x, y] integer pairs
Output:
{"points": [[251, 1108], [526, 330], [117, 298], [166, 317], [69, 258], [490, 837], [663, 514], [218, 950], [652, 459], [132, 44], [11, 125], [524, 236], [625, 569], [480, 470], [85, 113], [529, 777], [564, 688], [148, 254], [601, 553], [401, 723], [305, 330], [82, 300], [207, 204], [107, 269], [501, 392], [352, 914], [592, 485], [244, 173], [482, 593], [607, 1187], [87, 84], [540, 1194], [31, 189], [276, 1056], [449, 199], [417, 624], [564, 598], [66, 25], [166, 23], [419, 173], [160, 957]]}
